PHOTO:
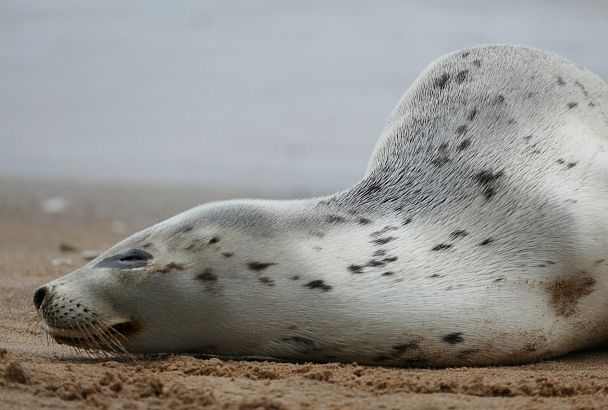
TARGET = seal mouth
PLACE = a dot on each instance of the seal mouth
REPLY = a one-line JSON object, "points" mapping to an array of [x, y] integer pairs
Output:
{"points": [[107, 338]]}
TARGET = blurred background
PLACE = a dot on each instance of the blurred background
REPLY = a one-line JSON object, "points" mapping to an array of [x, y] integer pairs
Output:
{"points": [[277, 95]]}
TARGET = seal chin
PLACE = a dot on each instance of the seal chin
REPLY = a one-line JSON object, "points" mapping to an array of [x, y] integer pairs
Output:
{"points": [[107, 338]]}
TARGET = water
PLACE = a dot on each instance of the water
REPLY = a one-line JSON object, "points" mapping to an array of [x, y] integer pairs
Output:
{"points": [[269, 94]]}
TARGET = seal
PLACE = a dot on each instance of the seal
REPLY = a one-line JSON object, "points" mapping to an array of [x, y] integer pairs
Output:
{"points": [[477, 236]]}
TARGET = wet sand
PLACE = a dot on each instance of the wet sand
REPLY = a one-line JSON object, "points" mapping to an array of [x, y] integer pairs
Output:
{"points": [[36, 374]]}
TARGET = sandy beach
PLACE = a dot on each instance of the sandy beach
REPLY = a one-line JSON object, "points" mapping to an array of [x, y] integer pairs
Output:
{"points": [[41, 222]]}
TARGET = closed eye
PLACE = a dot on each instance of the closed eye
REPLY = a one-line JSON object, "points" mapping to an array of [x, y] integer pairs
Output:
{"points": [[134, 258], [135, 255]]}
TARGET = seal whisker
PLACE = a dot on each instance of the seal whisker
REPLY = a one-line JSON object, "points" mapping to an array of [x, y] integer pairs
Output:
{"points": [[86, 336], [110, 340], [83, 350]]}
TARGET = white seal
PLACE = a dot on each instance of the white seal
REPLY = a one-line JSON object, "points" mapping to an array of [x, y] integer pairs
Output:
{"points": [[477, 236]]}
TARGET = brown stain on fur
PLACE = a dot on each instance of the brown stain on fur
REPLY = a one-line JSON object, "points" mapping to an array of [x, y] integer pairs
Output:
{"points": [[207, 276], [172, 266], [566, 292]]}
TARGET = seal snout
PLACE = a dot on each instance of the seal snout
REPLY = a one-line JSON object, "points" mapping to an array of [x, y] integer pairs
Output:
{"points": [[39, 296]]}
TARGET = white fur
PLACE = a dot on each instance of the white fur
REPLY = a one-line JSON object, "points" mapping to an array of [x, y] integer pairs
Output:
{"points": [[532, 181]]}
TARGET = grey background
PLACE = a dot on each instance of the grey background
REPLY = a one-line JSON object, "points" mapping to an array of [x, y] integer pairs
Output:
{"points": [[279, 95]]}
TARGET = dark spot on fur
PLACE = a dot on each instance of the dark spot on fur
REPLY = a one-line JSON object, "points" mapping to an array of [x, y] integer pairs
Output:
{"points": [[499, 99], [465, 54], [566, 292], [477, 63], [453, 338], [258, 266], [600, 260], [571, 105], [227, 254], [317, 234], [384, 230], [498, 279], [461, 233], [318, 284], [363, 221], [560, 81], [213, 240], [266, 280], [406, 221], [334, 219], [172, 266], [375, 262], [380, 252], [486, 242], [472, 114], [582, 87], [356, 268], [550, 262], [571, 165], [461, 130], [560, 161], [389, 273], [207, 275], [383, 241], [317, 248], [442, 81], [527, 138], [461, 76], [464, 145], [511, 121], [372, 189], [434, 275], [542, 265], [488, 180], [295, 277], [390, 259], [441, 246], [440, 160]]}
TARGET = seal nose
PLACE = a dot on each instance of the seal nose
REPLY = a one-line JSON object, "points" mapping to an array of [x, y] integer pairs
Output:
{"points": [[39, 296]]}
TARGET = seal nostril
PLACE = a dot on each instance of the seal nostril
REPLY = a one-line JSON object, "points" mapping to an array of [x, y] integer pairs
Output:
{"points": [[39, 296]]}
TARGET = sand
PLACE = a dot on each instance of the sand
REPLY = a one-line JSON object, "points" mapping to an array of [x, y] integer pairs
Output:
{"points": [[40, 223]]}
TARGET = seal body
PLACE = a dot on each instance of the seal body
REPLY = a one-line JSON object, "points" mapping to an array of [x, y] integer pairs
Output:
{"points": [[477, 236]]}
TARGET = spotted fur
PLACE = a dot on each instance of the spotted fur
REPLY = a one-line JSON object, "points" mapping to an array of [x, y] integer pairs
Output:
{"points": [[477, 236]]}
